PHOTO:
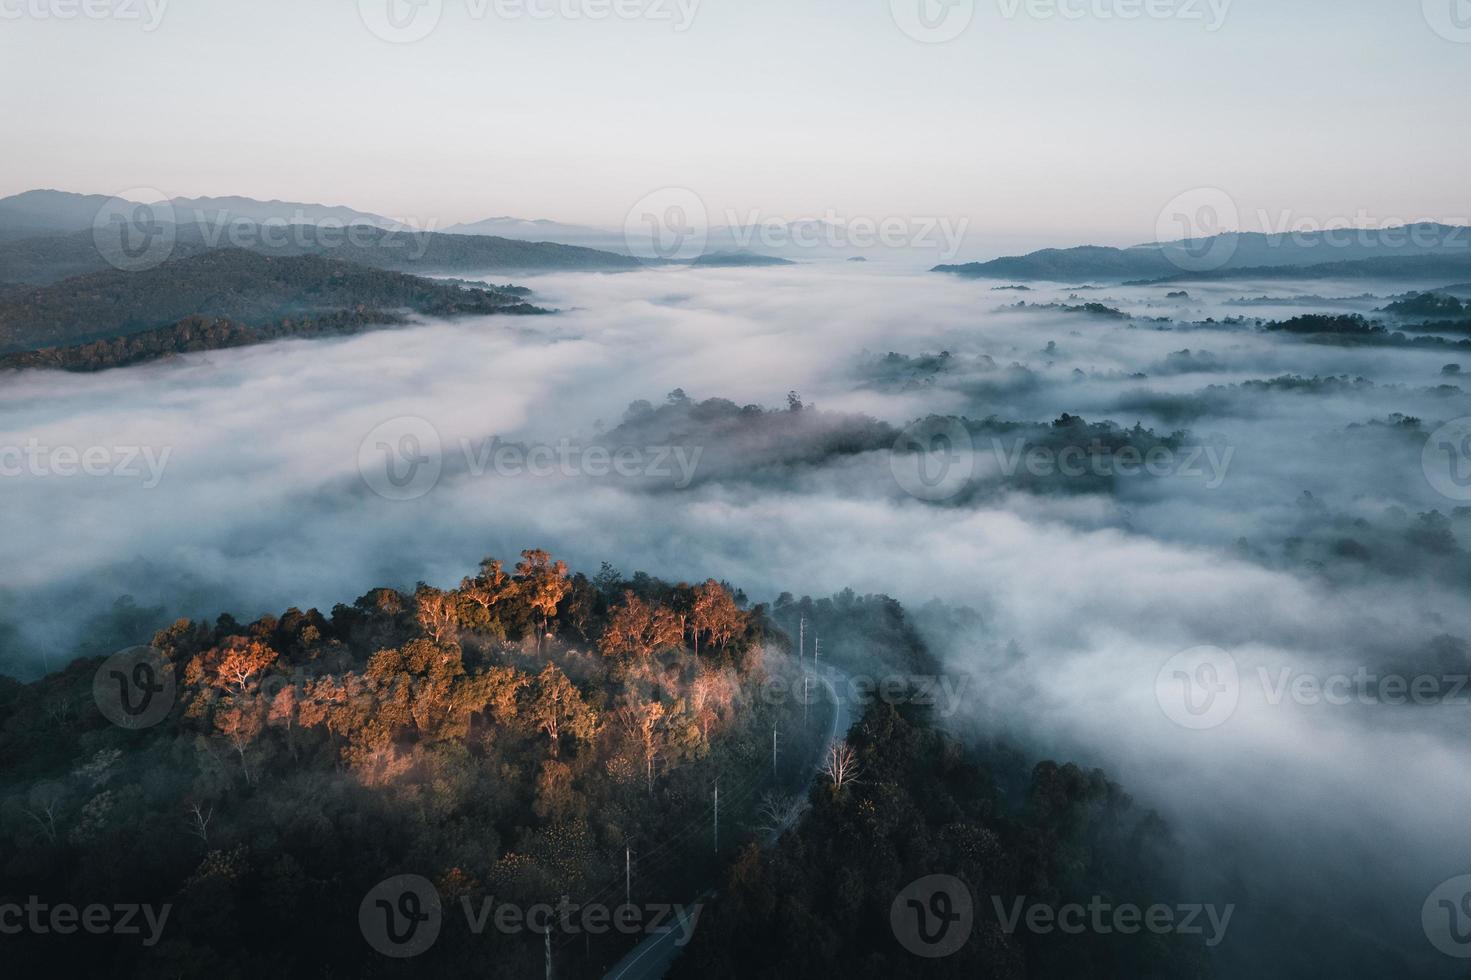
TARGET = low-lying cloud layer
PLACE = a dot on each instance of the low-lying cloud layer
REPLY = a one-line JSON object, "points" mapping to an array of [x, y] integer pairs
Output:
{"points": [[1308, 555]]}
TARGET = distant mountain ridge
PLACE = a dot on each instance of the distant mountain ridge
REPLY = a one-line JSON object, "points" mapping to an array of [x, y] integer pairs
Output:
{"points": [[544, 230], [1238, 253], [48, 212], [289, 212], [47, 236], [53, 212]]}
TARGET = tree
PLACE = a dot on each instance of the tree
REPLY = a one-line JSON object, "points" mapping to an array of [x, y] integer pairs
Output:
{"points": [[840, 764], [199, 819], [543, 583], [436, 612], [233, 667], [715, 614], [711, 695], [240, 722], [640, 629], [642, 723], [557, 707], [43, 805], [490, 586], [777, 811]]}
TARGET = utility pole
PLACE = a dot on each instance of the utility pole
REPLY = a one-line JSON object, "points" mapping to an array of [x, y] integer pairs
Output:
{"points": [[627, 875], [717, 818], [816, 648], [802, 639], [805, 699], [773, 750], [548, 935]]}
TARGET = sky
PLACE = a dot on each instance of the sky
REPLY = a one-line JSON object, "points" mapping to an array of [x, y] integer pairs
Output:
{"points": [[1040, 121]]}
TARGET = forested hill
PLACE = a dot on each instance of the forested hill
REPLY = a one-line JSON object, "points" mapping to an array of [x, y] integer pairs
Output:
{"points": [[1416, 251], [250, 289], [510, 742], [47, 259]]}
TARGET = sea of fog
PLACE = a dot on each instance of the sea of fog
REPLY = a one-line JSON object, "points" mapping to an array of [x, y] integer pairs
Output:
{"points": [[1327, 824]]}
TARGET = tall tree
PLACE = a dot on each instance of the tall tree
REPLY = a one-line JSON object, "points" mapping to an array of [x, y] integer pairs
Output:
{"points": [[543, 583]]}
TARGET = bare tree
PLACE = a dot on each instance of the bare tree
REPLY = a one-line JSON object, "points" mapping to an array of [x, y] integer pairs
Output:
{"points": [[59, 710], [43, 805], [199, 819], [840, 764], [778, 811]]}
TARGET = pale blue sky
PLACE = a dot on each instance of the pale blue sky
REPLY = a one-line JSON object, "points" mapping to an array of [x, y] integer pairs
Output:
{"points": [[1058, 129]]}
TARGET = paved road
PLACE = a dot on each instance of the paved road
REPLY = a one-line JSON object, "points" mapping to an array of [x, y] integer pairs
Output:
{"points": [[650, 959]]}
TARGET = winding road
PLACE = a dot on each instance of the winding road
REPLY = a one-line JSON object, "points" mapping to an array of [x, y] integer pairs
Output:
{"points": [[651, 959]]}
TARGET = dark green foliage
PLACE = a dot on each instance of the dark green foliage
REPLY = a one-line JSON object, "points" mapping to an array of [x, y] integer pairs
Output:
{"points": [[1346, 325], [819, 902], [53, 257], [227, 284], [1429, 305], [402, 733]]}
